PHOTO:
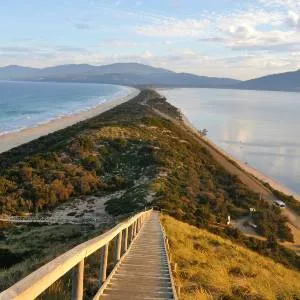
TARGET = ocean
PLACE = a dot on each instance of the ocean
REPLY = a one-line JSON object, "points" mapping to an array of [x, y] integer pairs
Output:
{"points": [[29, 104], [257, 127]]}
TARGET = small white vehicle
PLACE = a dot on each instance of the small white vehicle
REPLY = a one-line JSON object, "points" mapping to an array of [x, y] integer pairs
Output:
{"points": [[280, 204]]}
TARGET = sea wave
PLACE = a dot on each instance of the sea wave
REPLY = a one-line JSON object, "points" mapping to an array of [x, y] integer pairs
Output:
{"points": [[27, 117]]}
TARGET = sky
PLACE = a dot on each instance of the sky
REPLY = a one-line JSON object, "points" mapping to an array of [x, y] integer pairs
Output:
{"points": [[240, 39]]}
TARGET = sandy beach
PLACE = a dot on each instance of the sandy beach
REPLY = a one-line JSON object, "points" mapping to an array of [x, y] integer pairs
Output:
{"points": [[14, 139]]}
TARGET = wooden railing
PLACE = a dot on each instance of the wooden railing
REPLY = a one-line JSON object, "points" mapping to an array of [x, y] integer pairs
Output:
{"points": [[37, 282], [175, 288]]}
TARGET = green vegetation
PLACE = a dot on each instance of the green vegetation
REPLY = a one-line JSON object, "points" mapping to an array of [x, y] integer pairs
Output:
{"points": [[149, 160], [84, 166], [211, 267]]}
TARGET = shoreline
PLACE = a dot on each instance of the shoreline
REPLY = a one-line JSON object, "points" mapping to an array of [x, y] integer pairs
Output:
{"points": [[14, 139], [257, 173], [248, 169]]}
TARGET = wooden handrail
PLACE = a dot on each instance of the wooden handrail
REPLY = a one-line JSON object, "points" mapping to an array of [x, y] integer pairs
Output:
{"points": [[37, 282], [176, 293]]}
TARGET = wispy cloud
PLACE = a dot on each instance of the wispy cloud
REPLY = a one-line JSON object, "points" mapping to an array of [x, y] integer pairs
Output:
{"points": [[290, 4], [15, 50], [259, 30], [173, 28], [82, 26]]}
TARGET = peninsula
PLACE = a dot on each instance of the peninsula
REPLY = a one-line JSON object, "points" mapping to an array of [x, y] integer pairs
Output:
{"points": [[140, 153]]}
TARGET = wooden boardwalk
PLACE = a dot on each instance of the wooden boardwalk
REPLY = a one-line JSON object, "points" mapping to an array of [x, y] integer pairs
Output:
{"points": [[144, 272], [141, 265]]}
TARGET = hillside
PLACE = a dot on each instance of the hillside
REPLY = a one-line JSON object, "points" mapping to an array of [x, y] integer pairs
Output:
{"points": [[211, 267], [289, 81], [132, 74], [135, 155]]}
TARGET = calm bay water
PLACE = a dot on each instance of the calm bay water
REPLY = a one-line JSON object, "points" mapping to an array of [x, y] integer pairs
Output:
{"points": [[28, 104], [257, 127]]}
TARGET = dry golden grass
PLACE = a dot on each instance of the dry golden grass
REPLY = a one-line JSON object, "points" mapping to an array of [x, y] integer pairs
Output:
{"points": [[210, 267]]}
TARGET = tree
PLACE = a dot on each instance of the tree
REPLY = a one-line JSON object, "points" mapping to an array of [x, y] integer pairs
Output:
{"points": [[6, 186], [61, 192], [92, 162], [26, 173]]}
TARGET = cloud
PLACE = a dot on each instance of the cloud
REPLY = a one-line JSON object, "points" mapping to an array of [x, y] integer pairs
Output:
{"points": [[243, 31], [293, 20], [39, 54], [253, 29], [147, 54], [71, 49], [256, 30], [276, 41], [82, 26], [15, 50], [290, 4], [173, 28]]}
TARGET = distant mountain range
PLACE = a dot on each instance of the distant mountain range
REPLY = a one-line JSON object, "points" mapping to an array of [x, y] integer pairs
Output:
{"points": [[134, 74], [289, 81]]}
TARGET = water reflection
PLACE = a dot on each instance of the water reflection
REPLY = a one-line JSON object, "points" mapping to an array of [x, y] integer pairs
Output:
{"points": [[260, 128]]}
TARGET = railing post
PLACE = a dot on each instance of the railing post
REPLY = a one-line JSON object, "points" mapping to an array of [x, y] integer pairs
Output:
{"points": [[178, 291], [175, 268], [118, 247], [77, 281], [167, 244], [103, 264], [135, 229], [126, 240], [138, 224], [132, 233]]}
